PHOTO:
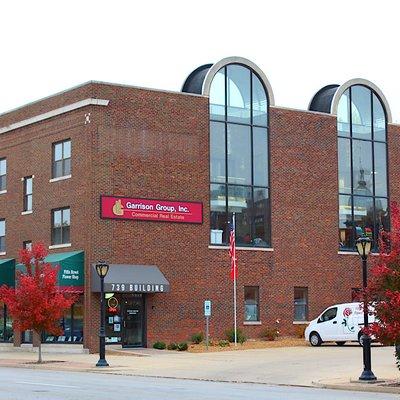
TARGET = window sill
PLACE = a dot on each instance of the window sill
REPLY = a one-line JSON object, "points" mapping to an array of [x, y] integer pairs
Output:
{"points": [[26, 212], [59, 246], [354, 253], [300, 322], [3, 253], [252, 323], [60, 178], [3, 191], [216, 247]]}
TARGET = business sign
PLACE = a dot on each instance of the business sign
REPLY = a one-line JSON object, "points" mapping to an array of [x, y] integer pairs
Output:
{"points": [[151, 210], [207, 308]]}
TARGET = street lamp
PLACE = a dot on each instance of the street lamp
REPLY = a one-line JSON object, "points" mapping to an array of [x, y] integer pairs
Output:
{"points": [[363, 245], [102, 269]]}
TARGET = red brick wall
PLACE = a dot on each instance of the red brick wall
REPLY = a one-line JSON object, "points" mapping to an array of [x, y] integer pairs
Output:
{"points": [[154, 144]]}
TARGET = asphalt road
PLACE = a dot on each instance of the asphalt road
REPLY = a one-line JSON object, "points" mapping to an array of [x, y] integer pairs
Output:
{"points": [[25, 384]]}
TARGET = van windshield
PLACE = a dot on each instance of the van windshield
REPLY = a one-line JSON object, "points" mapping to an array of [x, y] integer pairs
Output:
{"points": [[328, 315]]}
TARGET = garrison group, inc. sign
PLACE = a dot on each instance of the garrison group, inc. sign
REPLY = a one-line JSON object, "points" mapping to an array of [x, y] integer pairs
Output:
{"points": [[113, 207]]}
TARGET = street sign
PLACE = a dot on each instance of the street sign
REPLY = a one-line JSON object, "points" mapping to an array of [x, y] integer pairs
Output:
{"points": [[207, 308]]}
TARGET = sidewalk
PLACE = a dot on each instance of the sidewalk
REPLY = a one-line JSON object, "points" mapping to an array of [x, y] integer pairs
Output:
{"points": [[327, 366]]}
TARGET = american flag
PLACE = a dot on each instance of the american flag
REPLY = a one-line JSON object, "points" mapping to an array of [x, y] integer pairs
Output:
{"points": [[232, 252]]}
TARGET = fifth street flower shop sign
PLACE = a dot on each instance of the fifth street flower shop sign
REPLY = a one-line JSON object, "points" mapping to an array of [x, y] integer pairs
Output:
{"points": [[151, 210]]}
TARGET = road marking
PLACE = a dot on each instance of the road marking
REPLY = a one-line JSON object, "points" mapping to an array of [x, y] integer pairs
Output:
{"points": [[48, 384]]}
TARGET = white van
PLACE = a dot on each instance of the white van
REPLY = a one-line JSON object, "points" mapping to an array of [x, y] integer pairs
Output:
{"points": [[339, 323]]}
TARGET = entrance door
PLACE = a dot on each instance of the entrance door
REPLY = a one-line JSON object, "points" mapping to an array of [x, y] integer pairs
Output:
{"points": [[133, 320]]}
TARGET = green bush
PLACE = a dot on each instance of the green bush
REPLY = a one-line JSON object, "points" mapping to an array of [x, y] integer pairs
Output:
{"points": [[159, 345], [223, 343], [182, 346], [230, 335], [197, 338], [172, 346]]}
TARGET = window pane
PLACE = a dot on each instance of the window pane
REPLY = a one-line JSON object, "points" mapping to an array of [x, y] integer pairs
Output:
{"points": [[67, 167], [238, 93], [217, 96], [66, 216], [67, 149], [379, 119], [3, 166], [28, 185], [28, 205], [260, 102], [363, 215], [344, 162], [239, 154], [2, 243], [57, 236], [218, 214], [346, 233], [2, 227], [380, 169], [343, 116], [382, 221], [300, 304], [240, 202], [58, 169], [3, 182], [361, 112], [217, 152], [58, 150], [260, 156], [251, 295], [66, 234], [362, 167], [78, 321], [57, 218], [261, 217]]}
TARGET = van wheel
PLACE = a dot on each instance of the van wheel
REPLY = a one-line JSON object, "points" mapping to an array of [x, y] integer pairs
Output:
{"points": [[315, 339], [340, 343]]}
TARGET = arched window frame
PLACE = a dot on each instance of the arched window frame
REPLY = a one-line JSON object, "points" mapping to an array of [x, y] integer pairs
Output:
{"points": [[254, 71], [374, 91]]}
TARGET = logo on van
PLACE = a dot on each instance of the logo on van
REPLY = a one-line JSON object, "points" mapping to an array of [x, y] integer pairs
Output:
{"points": [[348, 323], [347, 312]]}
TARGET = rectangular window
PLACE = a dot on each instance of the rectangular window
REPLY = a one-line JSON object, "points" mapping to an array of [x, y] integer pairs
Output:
{"points": [[27, 244], [3, 174], [251, 303], [28, 182], [62, 158], [2, 235], [60, 228], [300, 304]]}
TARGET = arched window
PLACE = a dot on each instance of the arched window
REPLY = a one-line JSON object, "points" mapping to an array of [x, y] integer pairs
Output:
{"points": [[239, 174], [362, 161]]}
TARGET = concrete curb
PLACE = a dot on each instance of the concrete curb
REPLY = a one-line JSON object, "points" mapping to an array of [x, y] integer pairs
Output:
{"points": [[376, 387]]}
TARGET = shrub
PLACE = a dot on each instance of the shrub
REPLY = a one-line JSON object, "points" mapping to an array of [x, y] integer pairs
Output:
{"points": [[183, 346], [159, 345], [230, 335], [197, 338], [223, 343], [299, 330], [270, 333], [172, 346]]}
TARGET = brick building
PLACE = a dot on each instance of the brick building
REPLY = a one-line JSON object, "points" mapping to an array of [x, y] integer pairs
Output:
{"points": [[149, 180]]}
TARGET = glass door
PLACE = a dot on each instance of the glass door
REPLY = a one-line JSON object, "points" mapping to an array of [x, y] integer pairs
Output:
{"points": [[133, 320]]}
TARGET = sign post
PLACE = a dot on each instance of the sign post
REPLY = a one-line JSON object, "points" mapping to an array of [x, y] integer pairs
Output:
{"points": [[207, 314]]}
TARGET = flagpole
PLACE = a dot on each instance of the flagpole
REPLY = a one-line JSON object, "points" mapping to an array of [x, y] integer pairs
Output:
{"points": [[234, 285]]}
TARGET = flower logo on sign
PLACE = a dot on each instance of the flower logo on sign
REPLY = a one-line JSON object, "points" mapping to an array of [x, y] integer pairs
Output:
{"points": [[118, 209], [347, 323]]}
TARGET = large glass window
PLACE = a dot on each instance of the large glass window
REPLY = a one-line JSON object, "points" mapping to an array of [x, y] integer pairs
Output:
{"points": [[2, 235], [6, 330], [61, 221], [62, 158], [239, 170], [251, 303], [3, 174], [362, 165]]}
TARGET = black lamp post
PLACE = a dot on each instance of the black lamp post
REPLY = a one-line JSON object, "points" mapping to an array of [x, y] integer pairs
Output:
{"points": [[102, 269], [363, 245]]}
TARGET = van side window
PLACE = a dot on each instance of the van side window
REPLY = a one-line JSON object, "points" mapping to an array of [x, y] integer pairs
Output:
{"points": [[328, 315]]}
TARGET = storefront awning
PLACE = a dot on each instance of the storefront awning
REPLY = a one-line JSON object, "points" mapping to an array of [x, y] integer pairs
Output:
{"points": [[7, 272], [71, 270], [126, 278]]}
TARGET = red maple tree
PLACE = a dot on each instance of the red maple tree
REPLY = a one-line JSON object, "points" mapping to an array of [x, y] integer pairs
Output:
{"points": [[384, 286], [36, 303]]}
